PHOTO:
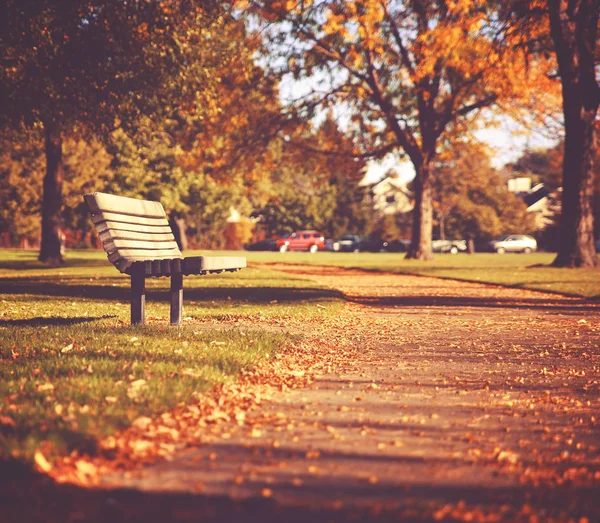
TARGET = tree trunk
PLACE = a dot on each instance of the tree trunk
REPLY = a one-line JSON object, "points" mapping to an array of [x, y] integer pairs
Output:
{"points": [[442, 220], [573, 26], [178, 226], [471, 246], [50, 250], [420, 247]]}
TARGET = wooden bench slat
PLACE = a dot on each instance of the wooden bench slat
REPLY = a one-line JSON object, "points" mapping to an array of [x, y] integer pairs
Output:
{"points": [[141, 255], [100, 202], [116, 244], [197, 264], [125, 219], [132, 227], [117, 234], [139, 242]]}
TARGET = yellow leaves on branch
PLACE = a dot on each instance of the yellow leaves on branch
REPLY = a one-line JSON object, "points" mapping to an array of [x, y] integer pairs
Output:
{"points": [[359, 19]]}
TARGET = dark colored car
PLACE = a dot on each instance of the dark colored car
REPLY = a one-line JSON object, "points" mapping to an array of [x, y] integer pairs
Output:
{"points": [[262, 245], [347, 243], [398, 246], [373, 244], [449, 246], [310, 241], [266, 244]]}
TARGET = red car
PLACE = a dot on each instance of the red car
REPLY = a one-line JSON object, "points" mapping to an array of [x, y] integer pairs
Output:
{"points": [[310, 241]]}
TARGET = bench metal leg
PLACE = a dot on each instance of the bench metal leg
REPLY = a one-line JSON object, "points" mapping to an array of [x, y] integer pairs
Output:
{"points": [[176, 298], [138, 297]]}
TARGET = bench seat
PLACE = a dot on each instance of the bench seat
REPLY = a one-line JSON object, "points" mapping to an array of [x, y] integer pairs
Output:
{"points": [[139, 242]]}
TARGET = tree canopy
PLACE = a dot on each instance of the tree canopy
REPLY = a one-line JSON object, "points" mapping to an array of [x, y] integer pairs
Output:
{"points": [[88, 66], [409, 74]]}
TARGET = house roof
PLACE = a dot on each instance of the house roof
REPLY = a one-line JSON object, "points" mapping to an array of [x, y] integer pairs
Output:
{"points": [[537, 192]]}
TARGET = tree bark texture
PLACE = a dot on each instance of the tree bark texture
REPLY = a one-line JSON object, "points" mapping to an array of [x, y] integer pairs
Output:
{"points": [[420, 247], [52, 200], [573, 25]]}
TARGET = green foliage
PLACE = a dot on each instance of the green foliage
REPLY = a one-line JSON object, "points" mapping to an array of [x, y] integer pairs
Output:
{"points": [[542, 165], [471, 198], [312, 183], [22, 167], [21, 173], [82, 64]]}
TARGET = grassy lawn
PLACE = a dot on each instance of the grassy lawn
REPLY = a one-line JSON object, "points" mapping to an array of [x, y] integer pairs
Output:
{"points": [[528, 271], [72, 369]]}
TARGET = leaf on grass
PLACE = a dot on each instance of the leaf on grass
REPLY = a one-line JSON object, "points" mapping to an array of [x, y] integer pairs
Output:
{"points": [[141, 446], [142, 423], [42, 462], [135, 388], [85, 467], [66, 349]]}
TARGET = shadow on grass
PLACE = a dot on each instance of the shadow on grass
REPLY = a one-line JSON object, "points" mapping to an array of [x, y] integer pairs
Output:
{"points": [[27, 496], [18, 286], [34, 265], [52, 321]]}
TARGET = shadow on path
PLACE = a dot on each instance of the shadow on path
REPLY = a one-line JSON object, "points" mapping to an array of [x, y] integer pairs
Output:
{"points": [[27, 497], [550, 303]]}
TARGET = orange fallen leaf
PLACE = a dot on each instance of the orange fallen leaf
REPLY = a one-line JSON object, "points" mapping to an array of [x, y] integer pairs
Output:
{"points": [[42, 462]]}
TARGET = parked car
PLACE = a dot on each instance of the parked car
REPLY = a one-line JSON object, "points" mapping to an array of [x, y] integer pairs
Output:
{"points": [[449, 246], [398, 246], [266, 244], [347, 243], [262, 245], [514, 243], [373, 244], [311, 241]]}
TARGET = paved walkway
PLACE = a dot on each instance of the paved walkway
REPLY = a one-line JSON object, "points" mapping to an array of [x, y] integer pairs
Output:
{"points": [[432, 400]]}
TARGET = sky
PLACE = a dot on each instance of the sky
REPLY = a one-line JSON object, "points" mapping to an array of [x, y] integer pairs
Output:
{"points": [[507, 143]]}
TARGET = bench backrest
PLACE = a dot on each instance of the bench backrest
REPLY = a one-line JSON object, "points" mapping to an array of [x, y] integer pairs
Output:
{"points": [[131, 230]]}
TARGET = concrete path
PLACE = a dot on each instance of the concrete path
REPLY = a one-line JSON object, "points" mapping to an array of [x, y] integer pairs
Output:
{"points": [[432, 400]]}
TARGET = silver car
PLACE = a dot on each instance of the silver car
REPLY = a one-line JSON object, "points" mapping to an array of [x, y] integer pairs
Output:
{"points": [[514, 243]]}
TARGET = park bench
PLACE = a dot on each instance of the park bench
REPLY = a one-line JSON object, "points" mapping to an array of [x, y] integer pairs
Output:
{"points": [[139, 242]]}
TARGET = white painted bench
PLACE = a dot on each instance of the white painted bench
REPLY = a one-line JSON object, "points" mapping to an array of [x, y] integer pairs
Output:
{"points": [[138, 240]]}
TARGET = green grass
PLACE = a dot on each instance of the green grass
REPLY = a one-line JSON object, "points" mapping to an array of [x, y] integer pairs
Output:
{"points": [[68, 356], [527, 271]]}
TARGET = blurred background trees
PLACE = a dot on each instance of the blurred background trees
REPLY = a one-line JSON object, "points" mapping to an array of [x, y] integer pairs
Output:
{"points": [[244, 130]]}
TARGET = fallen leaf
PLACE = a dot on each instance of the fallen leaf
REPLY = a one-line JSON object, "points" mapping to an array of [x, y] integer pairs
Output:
{"points": [[85, 467], [42, 462]]}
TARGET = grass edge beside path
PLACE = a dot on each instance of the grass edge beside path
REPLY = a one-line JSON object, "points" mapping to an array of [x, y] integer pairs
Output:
{"points": [[525, 271], [73, 371]]}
